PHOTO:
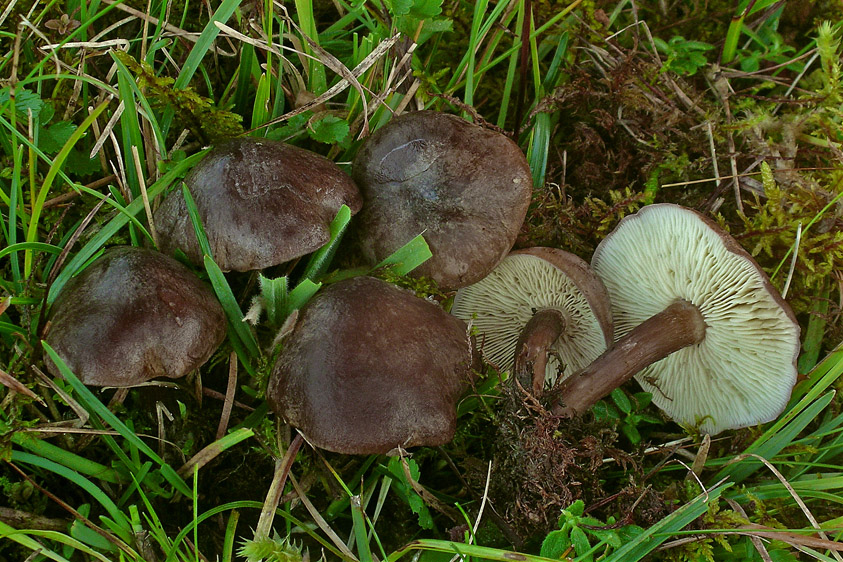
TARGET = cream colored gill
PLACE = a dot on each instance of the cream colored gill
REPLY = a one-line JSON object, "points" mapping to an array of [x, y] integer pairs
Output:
{"points": [[742, 373], [501, 304]]}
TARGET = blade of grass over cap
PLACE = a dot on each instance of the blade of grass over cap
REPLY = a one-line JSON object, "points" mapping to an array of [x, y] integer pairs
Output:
{"points": [[408, 257], [237, 327], [96, 408], [321, 259], [196, 221]]}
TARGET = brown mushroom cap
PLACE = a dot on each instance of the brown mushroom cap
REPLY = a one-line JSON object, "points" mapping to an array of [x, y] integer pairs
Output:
{"points": [[526, 284], [465, 188], [134, 315], [370, 367], [262, 203]]}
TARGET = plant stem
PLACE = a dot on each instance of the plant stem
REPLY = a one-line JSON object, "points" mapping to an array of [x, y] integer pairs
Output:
{"points": [[679, 325], [276, 489]]}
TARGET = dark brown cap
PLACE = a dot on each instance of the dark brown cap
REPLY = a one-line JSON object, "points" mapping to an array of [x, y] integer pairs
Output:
{"points": [[465, 188], [262, 203], [370, 367], [133, 315]]}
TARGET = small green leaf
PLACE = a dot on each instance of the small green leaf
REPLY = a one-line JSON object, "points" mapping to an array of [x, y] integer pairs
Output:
{"points": [[580, 541], [329, 129], [401, 7], [555, 544], [576, 509], [78, 162], [631, 433], [642, 399], [293, 126], [53, 137], [25, 101], [620, 398]]}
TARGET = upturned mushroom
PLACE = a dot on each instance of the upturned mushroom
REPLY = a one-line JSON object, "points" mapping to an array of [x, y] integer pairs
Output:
{"points": [[370, 367], [464, 187], [700, 325], [541, 313], [134, 315], [261, 202]]}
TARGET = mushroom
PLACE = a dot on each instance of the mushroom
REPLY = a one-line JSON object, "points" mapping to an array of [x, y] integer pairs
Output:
{"points": [[132, 315], [261, 202], [464, 187], [713, 340], [541, 312], [370, 367]]}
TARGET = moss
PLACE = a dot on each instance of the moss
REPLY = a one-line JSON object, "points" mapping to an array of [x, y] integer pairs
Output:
{"points": [[197, 113]]}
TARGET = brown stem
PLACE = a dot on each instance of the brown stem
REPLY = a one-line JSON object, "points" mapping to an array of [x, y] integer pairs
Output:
{"points": [[531, 351], [679, 325]]}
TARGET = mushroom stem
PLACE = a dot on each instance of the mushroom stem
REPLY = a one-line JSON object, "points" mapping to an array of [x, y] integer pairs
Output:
{"points": [[531, 351], [679, 325]]}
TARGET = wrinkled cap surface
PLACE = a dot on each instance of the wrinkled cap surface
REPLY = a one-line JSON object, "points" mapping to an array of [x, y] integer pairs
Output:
{"points": [[134, 315], [743, 372], [465, 188], [262, 203], [526, 281], [370, 367]]}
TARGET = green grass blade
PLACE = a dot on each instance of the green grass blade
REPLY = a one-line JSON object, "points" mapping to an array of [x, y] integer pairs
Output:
{"points": [[197, 53], [538, 150], [96, 408], [232, 309], [274, 294], [321, 259], [204, 43], [408, 257], [131, 84], [317, 80], [651, 538], [299, 296], [33, 246], [65, 458], [196, 221], [24, 538], [91, 488], [358, 522], [58, 162], [771, 443], [464, 551]]}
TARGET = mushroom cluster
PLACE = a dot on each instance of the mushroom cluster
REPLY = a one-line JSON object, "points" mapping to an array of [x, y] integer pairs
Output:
{"points": [[692, 312]]}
